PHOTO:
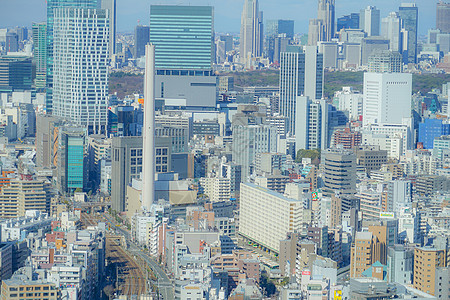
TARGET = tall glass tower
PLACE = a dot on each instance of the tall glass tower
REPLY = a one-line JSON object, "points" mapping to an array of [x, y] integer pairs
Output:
{"points": [[409, 14], [183, 36], [51, 6], [40, 53]]}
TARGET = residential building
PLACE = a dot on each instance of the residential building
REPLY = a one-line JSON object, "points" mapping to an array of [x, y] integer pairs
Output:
{"points": [[426, 261], [312, 124], [347, 138], [260, 206], [34, 289], [365, 252]]}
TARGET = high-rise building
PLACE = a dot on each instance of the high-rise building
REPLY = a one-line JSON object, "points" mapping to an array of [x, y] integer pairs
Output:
{"points": [[409, 14], [248, 140], [426, 261], [278, 35], [339, 171], [391, 28], [301, 74], [443, 16], [12, 42], [348, 22], [276, 27], [252, 31], [51, 6], [141, 38], [80, 81], [431, 129], [370, 45], [387, 98], [40, 53], [369, 20], [325, 12], [184, 43], [398, 195], [72, 166], [111, 6], [312, 124], [16, 73]]}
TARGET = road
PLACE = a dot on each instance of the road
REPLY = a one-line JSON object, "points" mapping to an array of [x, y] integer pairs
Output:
{"points": [[165, 285]]}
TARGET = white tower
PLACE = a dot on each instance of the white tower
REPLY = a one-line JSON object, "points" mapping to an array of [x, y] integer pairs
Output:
{"points": [[148, 168]]}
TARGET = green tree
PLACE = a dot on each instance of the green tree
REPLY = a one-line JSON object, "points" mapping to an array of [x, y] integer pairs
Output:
{"points": [[314, 154]]}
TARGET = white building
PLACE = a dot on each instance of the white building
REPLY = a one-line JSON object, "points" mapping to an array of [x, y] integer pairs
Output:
{"points": [[369, 20], [80, 69], [408, 226], [266, 216], [351, 101], [252, 31], [391, 30], [387, 98], [216, 188]]}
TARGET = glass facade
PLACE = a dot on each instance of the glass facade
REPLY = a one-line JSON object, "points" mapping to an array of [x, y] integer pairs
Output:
{"points": [[75, 166], [409, 14], [183, 36]]}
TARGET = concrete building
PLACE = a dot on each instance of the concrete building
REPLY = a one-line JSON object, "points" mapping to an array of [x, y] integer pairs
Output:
{"points": [[216, 188], [387, 98], [385, 61], [400, 262], [399, 195], [80, 72], [391, 29], [371, 158], [347, 138], [442, 285], [443, 16], [23, 195], [364, 253], [252, 32], [426, 261], [260, 206], [301, 74], [339, 171], [370, 45]]}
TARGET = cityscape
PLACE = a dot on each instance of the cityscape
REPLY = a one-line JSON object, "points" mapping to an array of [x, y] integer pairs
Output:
{"points": [[180, 161]]}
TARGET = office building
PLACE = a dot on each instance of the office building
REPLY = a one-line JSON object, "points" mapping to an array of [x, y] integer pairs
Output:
{"points": [[52, 5], [80, 71], [399, 195], [339, 171], [385, 61], [443, 16], [409, 14], [400, 263], [431, 129], [260, 206], [387, 98], [312, 124], [23, 195], [278, 35], [111, 6], [16, 73], [369, 20], [11, 288], [252, 32], [364, 252], [141, 38], [183, 37], [276, 27], [391, 28], [426, 261], [371, 45], [40, 54], [12, 42], [249, 140], [72, 166], [347, 22], [301, 74], [326, 13]]}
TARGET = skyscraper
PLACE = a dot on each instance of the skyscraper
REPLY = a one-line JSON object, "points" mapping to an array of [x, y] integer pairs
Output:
{"points": [[40, 53], [184, 51], [409, 14], [80, 82], [369, 20], [111, 6], [387, 98], [51, 6], [348, 22], [312, 124], [141, 38], [252, 33], [443, 16], [278, 34], [325, 12], [301, 74], [391, 29]]}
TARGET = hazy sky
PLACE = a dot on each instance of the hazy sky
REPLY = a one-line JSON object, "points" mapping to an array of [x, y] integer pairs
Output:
{"points": [[227, 12]]}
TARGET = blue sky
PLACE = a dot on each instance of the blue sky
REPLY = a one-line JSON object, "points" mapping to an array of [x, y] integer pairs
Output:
{"points": [[227, 12]]}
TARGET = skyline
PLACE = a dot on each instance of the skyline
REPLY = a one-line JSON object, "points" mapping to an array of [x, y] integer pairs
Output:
{"points": [[227, 17]]}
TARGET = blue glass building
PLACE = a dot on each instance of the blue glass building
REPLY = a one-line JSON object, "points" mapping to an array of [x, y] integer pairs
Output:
{"points": [[431, 129], [183, 36]]}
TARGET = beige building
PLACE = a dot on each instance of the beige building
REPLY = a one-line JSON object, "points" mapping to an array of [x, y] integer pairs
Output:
{"points": [[27, 290], [23, 195], [426, 260], [216, 188], [267, 216], [365, 251]]}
